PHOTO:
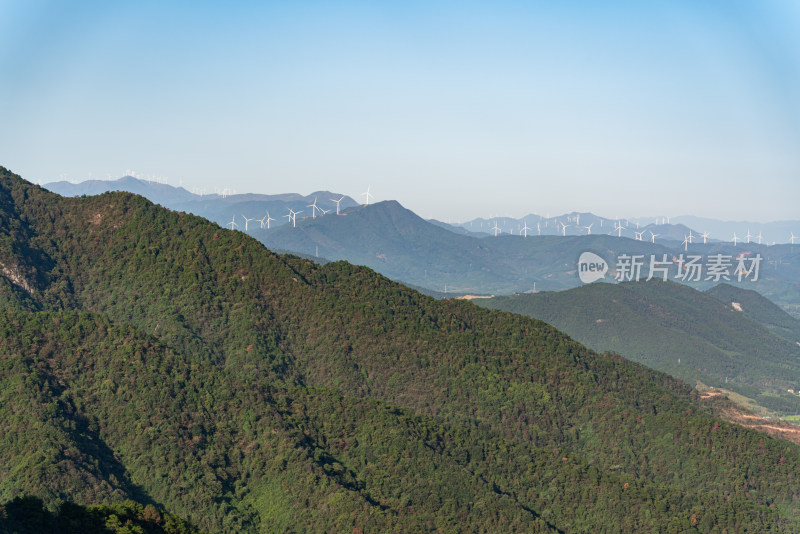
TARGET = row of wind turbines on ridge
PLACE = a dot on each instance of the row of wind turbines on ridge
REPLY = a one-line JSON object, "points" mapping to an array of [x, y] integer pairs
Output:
{"points": [[292, 215], [638, 236]]}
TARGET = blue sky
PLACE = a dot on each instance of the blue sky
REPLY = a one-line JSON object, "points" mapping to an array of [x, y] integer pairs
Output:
{"points": [[456, 109]]}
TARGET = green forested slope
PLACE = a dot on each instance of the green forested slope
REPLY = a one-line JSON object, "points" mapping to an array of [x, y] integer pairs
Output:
{"points": [[760, 309], [152, 356], [676, 329]]}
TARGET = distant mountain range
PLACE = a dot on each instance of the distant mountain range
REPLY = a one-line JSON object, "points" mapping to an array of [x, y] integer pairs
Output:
{"points": [[672, 228], [725, 337], [771, 232], [397, 243], [452, 259], [219, 208], [570, 224]]}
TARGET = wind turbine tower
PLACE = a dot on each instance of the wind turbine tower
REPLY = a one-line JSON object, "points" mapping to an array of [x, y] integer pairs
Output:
{"points": [[314, 208], [247, 221], [266, 220], [293, 216], [367, 194], [337, 204]]}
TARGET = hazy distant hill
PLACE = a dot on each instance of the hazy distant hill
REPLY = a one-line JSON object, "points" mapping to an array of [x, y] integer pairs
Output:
{"points": [[577, 224], [771, 232], [216, 207], [457, 229], [673, 328], [163, 194], [674, 228], [153, 355], [396, 242]]}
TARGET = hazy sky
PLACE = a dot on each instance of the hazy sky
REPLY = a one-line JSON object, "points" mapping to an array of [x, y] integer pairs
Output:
{"points": [[456, 109]]}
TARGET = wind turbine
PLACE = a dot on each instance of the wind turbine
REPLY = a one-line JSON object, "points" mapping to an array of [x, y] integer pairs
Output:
{"points": [[247, 221], [638, 235], [337, 204], [690, 237], [496, 228], [653, 236], [233, 224], [525, 229], [266, 220], [539, 228], [749, 236], [589, 229], [314, 208], [293, 216], [685, 243], [367, 194], [793, 237], [735, 239], [619, 228], [704, 235], [564, 228], [759, 237]]}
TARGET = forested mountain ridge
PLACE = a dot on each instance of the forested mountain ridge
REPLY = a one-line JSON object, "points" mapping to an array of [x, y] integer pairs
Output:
{"points": [[690, 334], [151, 355]]}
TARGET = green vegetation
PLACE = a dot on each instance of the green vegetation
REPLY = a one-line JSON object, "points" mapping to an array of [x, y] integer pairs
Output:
{"points": [[152, 356], [676, 329], [760, 309], [27, 515]]}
